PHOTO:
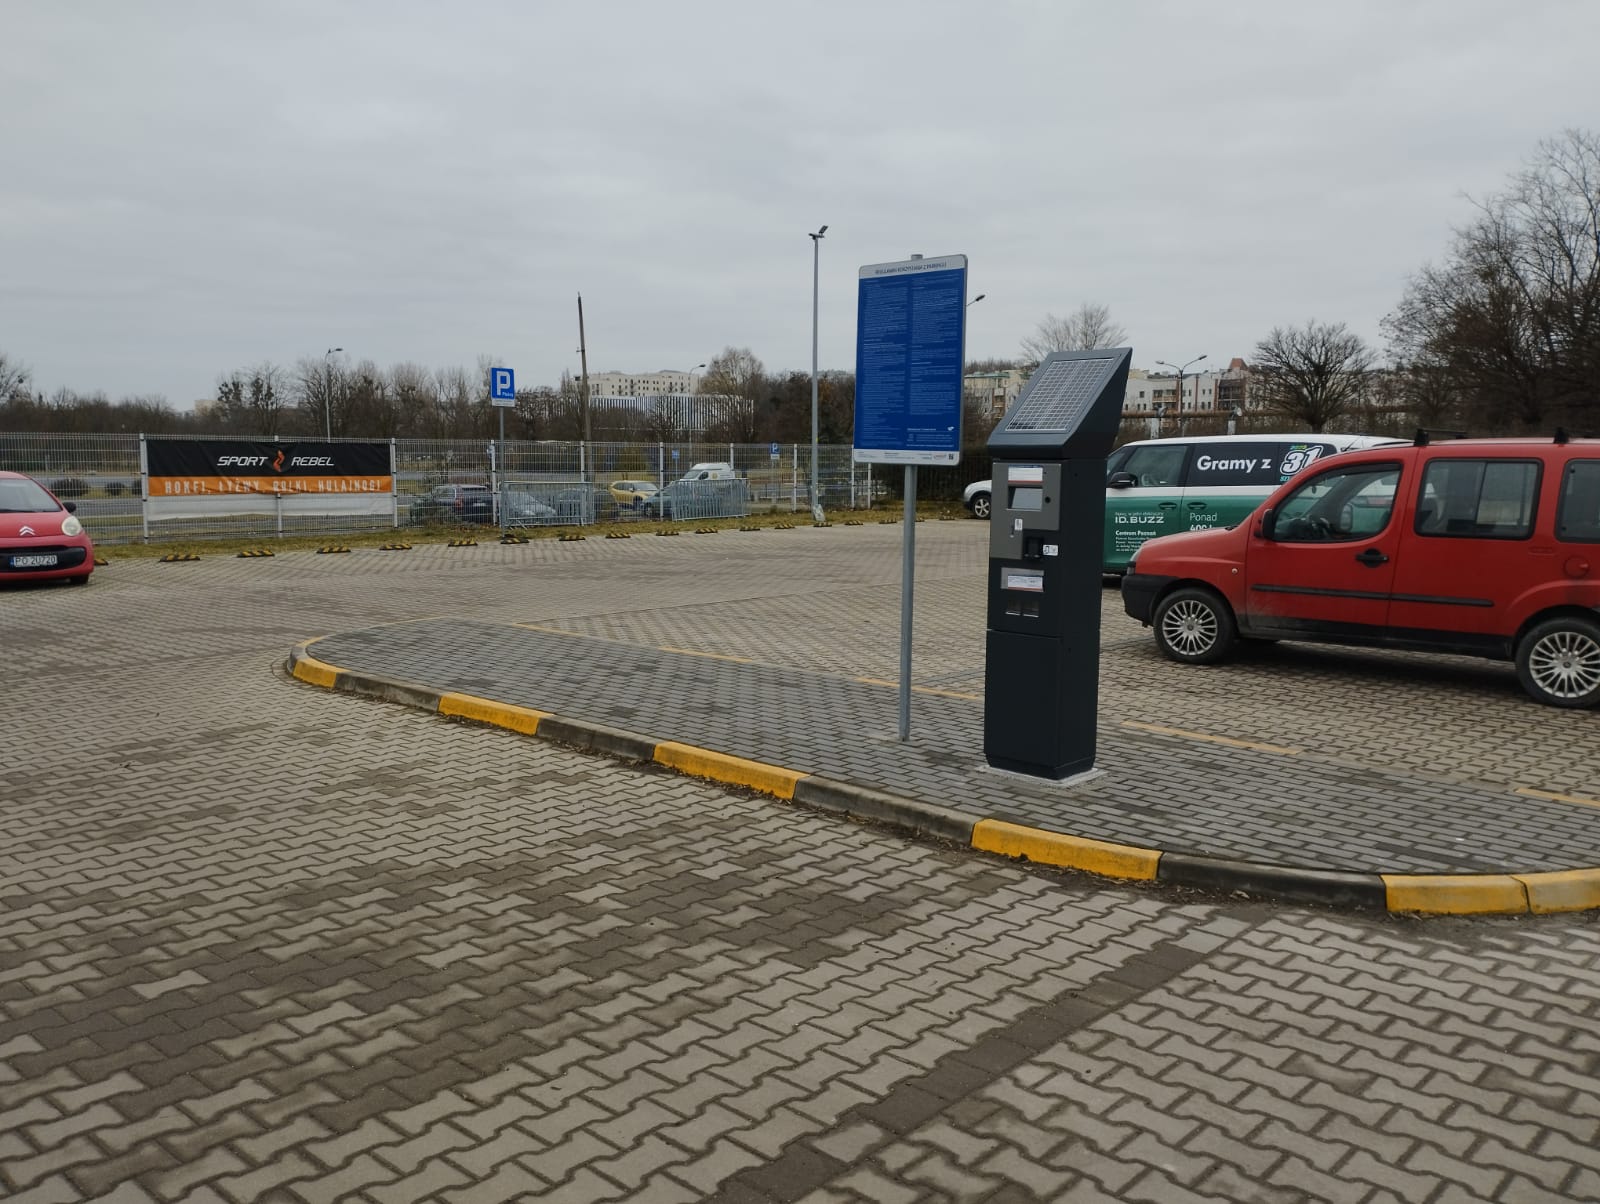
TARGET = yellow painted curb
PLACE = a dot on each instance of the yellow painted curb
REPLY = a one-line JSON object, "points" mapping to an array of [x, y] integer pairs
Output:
{"points": [[720, 767], [1456, 894], [500, 714], [1562, 890], [1073, 852], [318, 673]]}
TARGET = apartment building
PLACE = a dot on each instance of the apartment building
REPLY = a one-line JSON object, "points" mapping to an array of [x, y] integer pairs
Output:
{"points": [[665, 383]]}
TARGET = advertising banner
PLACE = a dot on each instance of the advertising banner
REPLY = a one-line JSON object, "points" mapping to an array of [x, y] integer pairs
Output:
{"points": [[229, 467], [217, 478]]}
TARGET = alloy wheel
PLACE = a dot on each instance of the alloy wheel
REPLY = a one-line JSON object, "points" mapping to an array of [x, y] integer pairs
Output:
{"points": [[1566, 664], [1189, 627]]}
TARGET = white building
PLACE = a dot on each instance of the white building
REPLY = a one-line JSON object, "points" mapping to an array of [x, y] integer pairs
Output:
{"points": [[666, 383], [1220, 391]]}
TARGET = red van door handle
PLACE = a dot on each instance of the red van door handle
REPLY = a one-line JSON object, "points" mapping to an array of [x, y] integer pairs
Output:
{"points": [[1372, 558]]}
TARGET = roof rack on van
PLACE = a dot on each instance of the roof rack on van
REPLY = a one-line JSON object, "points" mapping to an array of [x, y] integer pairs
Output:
{"points": [[1425, 436], [1561, 435]]}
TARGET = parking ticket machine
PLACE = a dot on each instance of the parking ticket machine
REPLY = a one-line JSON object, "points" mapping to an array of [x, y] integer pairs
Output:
{"points": [[1047, 518]]}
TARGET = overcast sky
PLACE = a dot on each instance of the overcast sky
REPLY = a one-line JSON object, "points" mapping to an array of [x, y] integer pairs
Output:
{"points": [[186, 188]]}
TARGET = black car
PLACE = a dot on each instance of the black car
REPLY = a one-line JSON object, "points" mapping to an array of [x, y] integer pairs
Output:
{"points": [[454, 504]]}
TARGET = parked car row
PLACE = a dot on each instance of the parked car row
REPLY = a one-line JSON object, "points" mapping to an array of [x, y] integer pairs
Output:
{"points": [[707, 490]]}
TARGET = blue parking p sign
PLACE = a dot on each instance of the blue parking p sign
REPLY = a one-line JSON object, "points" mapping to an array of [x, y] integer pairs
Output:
{"points": [[503, 386]]}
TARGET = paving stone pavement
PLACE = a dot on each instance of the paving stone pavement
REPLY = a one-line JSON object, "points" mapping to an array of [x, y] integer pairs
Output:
{"points": [[259, 942], [1270, 807]]}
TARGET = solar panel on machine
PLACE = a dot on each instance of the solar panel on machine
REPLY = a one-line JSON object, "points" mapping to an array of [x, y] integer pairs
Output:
{"points": [[1060, 393]]}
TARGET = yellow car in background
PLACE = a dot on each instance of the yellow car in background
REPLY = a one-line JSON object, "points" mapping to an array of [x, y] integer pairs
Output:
{"points": [[633, 493]]}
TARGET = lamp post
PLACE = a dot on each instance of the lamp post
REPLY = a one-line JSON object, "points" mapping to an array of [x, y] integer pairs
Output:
{"points": [[816, 253], [969, 305], [327, 397], [1180, 372]]}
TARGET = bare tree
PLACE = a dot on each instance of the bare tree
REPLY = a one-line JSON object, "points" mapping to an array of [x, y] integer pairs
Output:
{"points": [[253, 400], [1312, 374], [734, 381], [1088, 328], [1512, 316], [416, 400], [15, 378], [664, 420]]}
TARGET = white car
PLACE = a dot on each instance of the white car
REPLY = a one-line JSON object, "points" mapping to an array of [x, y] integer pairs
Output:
{"points": [[976, 498]]}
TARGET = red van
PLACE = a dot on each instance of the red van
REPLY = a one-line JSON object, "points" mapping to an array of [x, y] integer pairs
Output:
{"points": [[1482, 547]]}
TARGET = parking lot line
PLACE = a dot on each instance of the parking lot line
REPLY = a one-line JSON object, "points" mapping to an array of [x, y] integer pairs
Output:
{"points": [[1158, 730], [715, 656], [1551, 796], [893, 685]]}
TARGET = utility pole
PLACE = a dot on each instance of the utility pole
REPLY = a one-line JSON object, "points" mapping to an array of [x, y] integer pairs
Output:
{"points": [[583, 395]]}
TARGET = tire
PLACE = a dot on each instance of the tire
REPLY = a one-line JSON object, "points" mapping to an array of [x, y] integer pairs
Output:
{"points": [[980, 505], [1193, 626], [79, 580], [1558, 662]]}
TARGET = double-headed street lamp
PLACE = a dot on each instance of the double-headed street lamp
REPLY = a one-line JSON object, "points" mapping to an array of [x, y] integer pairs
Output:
{"points": [[816, 252], [1180, 372], [327, 397]]}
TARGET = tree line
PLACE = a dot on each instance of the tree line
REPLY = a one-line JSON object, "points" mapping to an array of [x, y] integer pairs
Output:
{"points": [[1501, 335]]}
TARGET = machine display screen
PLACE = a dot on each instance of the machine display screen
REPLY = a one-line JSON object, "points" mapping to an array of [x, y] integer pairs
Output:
{"points": [[1027, 498]]}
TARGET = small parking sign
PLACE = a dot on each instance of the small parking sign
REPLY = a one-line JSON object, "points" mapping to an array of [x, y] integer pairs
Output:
{"points": [[503, 386]]}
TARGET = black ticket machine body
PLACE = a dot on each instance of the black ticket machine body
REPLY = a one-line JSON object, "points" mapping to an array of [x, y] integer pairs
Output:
{"points": [[1047, 522]]}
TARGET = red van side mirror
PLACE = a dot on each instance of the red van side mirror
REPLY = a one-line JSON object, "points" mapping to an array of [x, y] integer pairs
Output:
{"points": [[1264, 523]]}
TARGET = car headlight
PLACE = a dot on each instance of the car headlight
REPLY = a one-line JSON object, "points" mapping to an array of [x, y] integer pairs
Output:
{"points": [[72, 526]]}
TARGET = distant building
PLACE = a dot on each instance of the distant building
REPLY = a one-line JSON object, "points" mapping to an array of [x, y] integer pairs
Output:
{"points": [[1221, 392], [994, 390], [666, 383]]}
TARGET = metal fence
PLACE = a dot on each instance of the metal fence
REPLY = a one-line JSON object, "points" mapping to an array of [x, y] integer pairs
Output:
{"points": [[531, 483]]}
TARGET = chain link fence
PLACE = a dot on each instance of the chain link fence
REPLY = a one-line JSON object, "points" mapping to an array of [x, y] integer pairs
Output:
{"points": [[521, 483]]}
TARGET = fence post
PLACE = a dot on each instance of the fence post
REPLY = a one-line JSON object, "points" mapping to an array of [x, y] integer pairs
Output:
{"points": [[852, 482], [869, 483], [144, 490], [794, 477], [394, 483]]}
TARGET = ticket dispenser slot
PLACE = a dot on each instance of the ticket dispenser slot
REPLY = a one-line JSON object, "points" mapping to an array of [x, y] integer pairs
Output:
{"points": [[1042, 649]]}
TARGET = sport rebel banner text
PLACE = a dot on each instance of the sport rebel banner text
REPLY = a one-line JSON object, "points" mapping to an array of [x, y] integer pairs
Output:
{"points": [[220, 467]]}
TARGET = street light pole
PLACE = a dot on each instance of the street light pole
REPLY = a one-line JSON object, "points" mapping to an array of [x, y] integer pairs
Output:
{"points": [[327, 397], [816, 253], [1180, 372]]}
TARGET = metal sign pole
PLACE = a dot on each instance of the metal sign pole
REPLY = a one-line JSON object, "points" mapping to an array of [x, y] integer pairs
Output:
{"points": [[500, 475], [908, 576]]}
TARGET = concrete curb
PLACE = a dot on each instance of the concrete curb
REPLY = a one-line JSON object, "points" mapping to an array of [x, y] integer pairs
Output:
{"points": [[1419, 894]]}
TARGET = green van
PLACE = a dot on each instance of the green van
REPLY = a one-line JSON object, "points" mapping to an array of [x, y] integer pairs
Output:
{"points": [[1162, 486]]}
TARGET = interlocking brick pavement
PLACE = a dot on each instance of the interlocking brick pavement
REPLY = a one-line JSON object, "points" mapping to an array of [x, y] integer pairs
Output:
{"points": [[264, 943], [1154, 791]]}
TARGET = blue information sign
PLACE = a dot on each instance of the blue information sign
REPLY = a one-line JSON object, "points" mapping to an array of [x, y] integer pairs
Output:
{"points": [[911, 329], [502, 386]]}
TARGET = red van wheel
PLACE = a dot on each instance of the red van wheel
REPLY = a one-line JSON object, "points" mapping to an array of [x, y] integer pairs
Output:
{"points": [[1558, 662], [1194, 627]]}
